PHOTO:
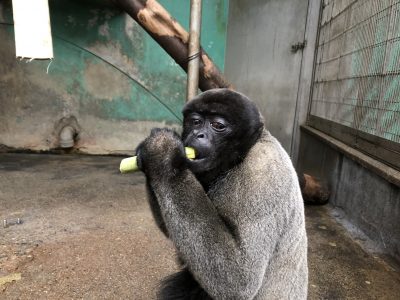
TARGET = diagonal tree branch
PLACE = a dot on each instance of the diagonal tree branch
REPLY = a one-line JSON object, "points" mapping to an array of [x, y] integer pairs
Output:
{"points": [[173, 38]]}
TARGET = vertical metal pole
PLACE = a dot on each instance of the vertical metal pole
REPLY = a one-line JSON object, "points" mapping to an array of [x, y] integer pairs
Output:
{"points": [[194, 49]]}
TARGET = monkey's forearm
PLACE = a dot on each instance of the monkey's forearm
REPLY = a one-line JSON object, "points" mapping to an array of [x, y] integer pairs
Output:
{"points": [[155, 209]]}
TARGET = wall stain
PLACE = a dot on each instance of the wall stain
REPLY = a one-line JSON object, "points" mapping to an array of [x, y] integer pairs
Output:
{"points": [[103, 60]]}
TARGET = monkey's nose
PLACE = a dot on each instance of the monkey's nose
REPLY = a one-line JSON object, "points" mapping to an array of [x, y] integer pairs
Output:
{"points": [[200, 136]]}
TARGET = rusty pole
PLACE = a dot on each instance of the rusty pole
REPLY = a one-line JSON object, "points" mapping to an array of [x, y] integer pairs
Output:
{"points": [[194, 49]]}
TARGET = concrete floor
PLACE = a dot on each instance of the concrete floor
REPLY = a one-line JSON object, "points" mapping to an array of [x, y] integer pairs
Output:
{"points": [[87, 233]]}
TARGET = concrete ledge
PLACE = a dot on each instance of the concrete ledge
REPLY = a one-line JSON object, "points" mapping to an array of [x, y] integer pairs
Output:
{"points": [[365, 189], [381, 169]]}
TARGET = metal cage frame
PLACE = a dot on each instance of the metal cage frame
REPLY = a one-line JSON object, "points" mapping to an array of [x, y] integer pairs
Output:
{"points": [[355, 93]]}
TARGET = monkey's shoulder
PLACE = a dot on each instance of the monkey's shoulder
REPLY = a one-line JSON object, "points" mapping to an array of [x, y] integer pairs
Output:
{"points": [[265, 179], [267, 163]]}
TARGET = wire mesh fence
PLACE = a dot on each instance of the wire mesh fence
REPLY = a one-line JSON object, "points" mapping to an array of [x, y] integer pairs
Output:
{"points": [[357, 72]]}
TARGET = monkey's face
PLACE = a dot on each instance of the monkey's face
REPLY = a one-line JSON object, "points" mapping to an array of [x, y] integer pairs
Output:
{"points": [[221, 125], [208, 134]]}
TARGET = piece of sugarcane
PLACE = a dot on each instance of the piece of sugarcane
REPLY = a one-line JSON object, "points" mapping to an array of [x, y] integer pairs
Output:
{"points": [[130, 164]]}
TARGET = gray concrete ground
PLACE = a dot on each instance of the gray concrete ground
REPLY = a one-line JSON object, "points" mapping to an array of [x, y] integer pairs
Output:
{"points": [[87, 233]]}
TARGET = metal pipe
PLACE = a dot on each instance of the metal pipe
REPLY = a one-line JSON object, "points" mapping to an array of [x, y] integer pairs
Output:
{"points": [[67, 137], [194, 49]]}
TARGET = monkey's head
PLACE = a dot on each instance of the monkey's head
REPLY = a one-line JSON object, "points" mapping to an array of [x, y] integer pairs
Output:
{"points": [[222, 125]]}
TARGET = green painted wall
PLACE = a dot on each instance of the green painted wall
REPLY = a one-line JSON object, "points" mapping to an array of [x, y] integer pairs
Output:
{"points": [[107, 64]]}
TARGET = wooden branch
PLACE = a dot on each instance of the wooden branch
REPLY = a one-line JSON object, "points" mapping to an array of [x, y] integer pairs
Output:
{"points": [[173, 38]]}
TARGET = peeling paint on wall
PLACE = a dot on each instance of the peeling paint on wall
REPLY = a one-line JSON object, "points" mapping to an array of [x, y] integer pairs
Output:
{"points": [[103, 83], [107, 72]]}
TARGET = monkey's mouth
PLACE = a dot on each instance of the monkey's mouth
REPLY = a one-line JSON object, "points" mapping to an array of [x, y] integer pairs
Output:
{"points": [[199, 165], [199, 156], [202, 160], [199, 159]]}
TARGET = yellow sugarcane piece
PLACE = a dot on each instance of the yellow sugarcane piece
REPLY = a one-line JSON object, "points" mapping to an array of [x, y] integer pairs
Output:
{"points": [[190, 153], [130, 164]]}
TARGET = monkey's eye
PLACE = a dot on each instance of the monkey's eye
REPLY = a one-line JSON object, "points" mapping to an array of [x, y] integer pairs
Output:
{"points": [[218, 126]]}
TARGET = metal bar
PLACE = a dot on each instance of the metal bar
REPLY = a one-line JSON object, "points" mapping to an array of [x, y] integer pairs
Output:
{"points": [[382, 169], [379, 148], [194, 49], [366, 94]]}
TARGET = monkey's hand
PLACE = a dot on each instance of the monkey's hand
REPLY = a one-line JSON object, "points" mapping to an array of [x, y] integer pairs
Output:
{"points": [[161, 154]]}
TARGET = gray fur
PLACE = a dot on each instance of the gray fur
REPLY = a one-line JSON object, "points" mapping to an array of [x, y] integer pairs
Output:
{"points": [[245, 238]]}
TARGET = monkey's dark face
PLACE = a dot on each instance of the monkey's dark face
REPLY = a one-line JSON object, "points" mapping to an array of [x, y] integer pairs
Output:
{"points": [[221, 125], [207, 134]]}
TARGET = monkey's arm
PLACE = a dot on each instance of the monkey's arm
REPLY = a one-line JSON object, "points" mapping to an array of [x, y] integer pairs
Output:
{"points": [[155, 209]]}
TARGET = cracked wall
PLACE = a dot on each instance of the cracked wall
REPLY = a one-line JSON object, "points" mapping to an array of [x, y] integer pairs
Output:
{"points": [[107, 72]]}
